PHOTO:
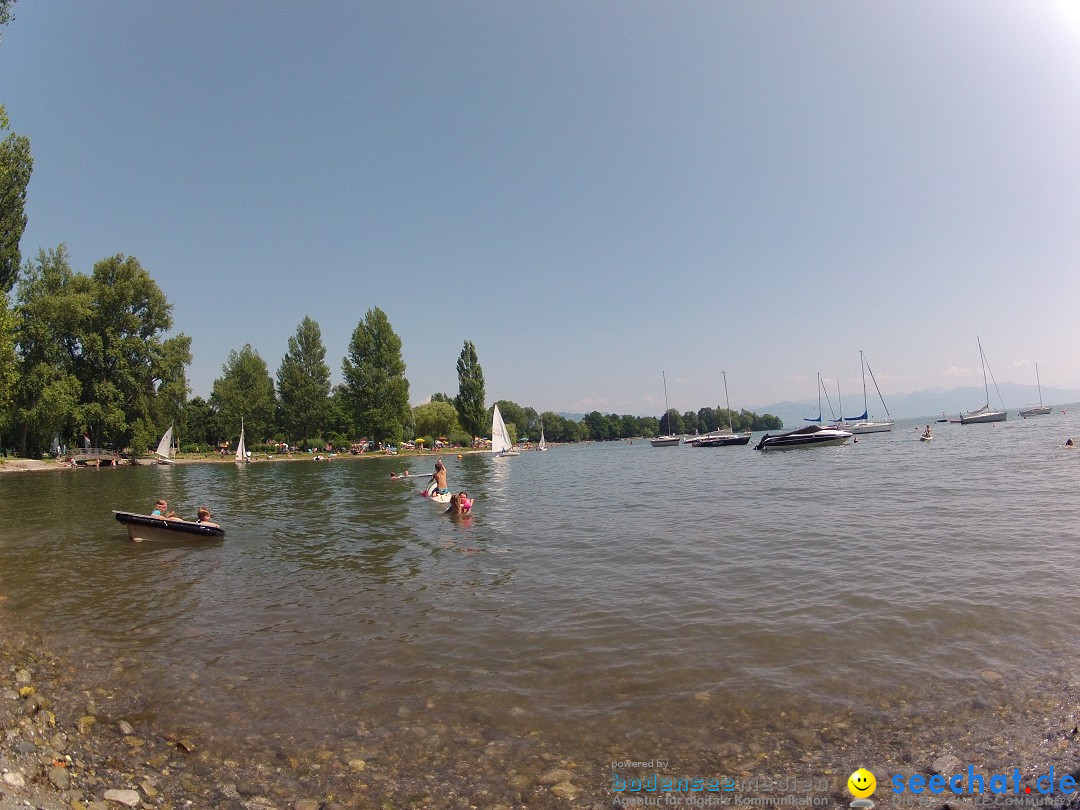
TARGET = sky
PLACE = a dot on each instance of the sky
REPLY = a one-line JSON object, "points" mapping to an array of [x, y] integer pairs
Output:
{"points": [[598, 195]]}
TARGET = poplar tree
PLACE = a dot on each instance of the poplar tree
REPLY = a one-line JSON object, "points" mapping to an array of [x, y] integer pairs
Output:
{"points": [[303, 382], [15, 167], [469, 403], [375, 390]]}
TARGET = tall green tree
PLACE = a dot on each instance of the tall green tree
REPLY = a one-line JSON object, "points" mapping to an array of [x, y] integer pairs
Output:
{"points": [[375, 387], [473, 414], [92, 354], [125, 361], [245, 392], [15, 167], [303, 382], [52, 307]]}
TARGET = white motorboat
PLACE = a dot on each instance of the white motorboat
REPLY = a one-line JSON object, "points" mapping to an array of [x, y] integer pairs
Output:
{"points": [[809, 436]]}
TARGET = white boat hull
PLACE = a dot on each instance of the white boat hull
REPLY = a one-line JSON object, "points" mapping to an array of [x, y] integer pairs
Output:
{"points": [[869, 427], [665, 441], [983, 416], [1035, 410], [810, 436]]}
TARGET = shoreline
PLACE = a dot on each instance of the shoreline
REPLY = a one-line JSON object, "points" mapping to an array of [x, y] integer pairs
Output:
{"points": [[75, 743], [13, 465]]}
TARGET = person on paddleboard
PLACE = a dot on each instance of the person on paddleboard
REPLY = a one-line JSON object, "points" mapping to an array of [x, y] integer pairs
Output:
{"points": [[439, 477]]}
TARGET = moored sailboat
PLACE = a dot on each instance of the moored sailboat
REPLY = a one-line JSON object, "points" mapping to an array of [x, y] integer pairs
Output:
{"points": [[985, 413], [1040, 409], [863, 424], [724, 437], [669, 439]]}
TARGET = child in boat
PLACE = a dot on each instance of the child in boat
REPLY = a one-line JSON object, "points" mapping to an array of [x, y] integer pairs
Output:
{"points": [[204, 517], [161, 506]]}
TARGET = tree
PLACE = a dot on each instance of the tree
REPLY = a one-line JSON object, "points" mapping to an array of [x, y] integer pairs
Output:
{"points": [[375, 387], [245, 392], [199, 425], [9, 369], [435, 419], [469, 403], [125, 363], [304, 383], [91, 353], [15, 167], [440, 397], [51, 308]]}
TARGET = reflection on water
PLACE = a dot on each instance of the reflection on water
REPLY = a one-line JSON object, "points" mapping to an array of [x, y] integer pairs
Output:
{"points": [[591, 585]]}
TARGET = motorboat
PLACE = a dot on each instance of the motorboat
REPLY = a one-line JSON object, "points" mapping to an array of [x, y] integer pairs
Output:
{"points": [[809, 436], [164, 530]]}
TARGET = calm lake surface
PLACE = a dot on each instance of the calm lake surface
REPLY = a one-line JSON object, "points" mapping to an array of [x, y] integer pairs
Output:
{"points": [[599, 591]]}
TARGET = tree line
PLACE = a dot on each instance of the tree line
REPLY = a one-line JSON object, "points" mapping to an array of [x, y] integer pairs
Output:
{"points": [[87, 357]]}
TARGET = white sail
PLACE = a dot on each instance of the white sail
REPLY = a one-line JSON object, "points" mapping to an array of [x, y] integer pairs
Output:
{"points": [[241, 450], [500, 439], [164, 448], [543, 444]]}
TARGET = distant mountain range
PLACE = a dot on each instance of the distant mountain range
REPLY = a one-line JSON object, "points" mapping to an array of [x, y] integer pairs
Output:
{"points": [[929, 403]]}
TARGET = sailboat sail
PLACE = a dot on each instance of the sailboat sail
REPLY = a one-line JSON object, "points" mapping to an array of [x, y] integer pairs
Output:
{"points": [[500, 438], [542, 445], [164, 448], [241, 450]]}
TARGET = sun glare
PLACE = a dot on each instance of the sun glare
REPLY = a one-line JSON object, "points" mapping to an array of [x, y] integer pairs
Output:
{"points": [[1069, 12]]}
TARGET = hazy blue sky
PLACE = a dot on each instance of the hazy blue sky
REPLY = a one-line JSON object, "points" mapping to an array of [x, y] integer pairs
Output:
{"points": [[591, 192]]}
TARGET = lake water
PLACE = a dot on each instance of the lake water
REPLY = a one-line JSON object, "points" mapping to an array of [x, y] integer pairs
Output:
{"points": [[603, 600]]}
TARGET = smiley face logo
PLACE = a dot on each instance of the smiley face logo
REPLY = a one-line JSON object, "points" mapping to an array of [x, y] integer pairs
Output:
{"points": [[861, 783]]}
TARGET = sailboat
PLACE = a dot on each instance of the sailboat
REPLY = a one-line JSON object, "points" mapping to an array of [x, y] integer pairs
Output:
{"points": [[1040, 409], [863, 424], [543, 444], [241, 450], [669, 439], [500, 438], [984, 414], [725, 437], [164, 450], [818, 418]]}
